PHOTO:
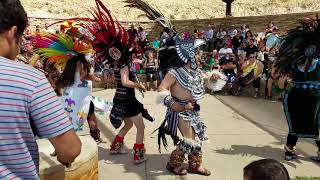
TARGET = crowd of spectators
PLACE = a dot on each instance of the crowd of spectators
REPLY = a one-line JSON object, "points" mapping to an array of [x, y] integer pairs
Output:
{"points": [[242, 57]]}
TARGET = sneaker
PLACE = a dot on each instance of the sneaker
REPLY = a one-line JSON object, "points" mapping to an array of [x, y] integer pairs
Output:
{"points": [[315, 158], [237, 93], [256, 95], [289, 156]]}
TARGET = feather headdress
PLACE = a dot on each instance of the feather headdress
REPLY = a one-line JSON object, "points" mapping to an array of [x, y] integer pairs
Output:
{"points": [[151, 12], [58, 49], [110, 39], [301, 44]]}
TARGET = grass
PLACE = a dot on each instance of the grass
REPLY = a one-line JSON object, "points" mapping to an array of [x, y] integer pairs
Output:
{"points": [[307, 178], [176, 9]]}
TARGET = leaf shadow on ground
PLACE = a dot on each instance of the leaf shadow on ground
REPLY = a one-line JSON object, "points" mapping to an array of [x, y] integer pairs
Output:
{"points": [[264, 152]]}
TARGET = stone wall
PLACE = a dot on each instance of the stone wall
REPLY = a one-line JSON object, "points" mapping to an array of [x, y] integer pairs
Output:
{"points": [[256, 23]]}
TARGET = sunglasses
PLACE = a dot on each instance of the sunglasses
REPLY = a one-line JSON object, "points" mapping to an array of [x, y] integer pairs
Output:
{"points": [[251, 57]]}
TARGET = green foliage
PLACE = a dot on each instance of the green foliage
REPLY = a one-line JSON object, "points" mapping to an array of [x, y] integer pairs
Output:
{"points": [[307, 178]]}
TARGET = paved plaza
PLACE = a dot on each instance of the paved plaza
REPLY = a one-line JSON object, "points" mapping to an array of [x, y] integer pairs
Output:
{"points": [[234, 141]]}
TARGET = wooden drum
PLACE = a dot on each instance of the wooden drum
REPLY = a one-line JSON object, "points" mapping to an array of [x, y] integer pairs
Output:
{"points": [[85, 166]]}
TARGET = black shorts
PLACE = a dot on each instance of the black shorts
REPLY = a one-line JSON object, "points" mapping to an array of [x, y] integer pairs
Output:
{"points": [[91, 109], [133, 108], [151, 76]]}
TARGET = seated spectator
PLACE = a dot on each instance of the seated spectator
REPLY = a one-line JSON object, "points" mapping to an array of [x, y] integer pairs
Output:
{"points": [[151, 68], [270, 29], [237, 42], [228, 41], [233, 31], [265, 169], [251, 72], [228, 67], [251, 48], [261, 56], [247, 38], [225, 51], [208, 63], [221, 33], [276, 83]]}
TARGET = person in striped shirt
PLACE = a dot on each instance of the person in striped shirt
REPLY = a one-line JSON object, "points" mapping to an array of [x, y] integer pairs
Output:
{"points": [[28, 106]]}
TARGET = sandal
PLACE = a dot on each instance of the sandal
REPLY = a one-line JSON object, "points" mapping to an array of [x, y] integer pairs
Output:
{"points": [[181, 172], [205, 172]]}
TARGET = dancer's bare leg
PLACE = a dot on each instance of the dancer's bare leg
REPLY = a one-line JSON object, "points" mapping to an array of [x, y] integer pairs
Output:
{"points": [[139, 149], [126, 128], [139, 124]]}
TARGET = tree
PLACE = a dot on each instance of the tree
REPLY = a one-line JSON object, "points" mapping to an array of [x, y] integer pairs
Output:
{"points": [[228, 8]]}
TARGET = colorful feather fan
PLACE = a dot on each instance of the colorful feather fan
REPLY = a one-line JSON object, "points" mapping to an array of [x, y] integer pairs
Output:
{"points": [[58, 49], [109, 37]]}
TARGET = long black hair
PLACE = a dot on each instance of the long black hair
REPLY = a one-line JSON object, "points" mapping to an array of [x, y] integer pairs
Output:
{"points": [[293, 48], [67, 78]]}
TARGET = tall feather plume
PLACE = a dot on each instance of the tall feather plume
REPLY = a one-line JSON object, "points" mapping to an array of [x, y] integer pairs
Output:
{"points": [[151, 12], [105, 31], [292, 49]]}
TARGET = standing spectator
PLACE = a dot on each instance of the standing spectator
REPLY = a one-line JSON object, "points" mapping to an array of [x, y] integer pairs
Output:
{"points": [[156, 43], [133, 33], [208, 36], [237, 42], [37, 29], [142, 36], [186, 35], [251, 48], [151, 67], [28, 106], [244, 30]]}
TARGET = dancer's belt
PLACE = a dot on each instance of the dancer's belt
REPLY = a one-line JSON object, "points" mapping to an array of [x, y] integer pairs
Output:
{"points": [[308, 85]]}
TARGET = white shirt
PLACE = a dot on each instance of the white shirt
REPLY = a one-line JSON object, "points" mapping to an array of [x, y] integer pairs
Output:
{"points": [[221, 34], [225, 51]]}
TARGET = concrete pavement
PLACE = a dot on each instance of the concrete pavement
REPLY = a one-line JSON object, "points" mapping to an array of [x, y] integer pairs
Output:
{"points": [[234, 142]]}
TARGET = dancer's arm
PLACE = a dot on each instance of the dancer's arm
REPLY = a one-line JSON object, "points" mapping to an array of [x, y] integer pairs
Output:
{"points": [[125, 81], [165, 95]]}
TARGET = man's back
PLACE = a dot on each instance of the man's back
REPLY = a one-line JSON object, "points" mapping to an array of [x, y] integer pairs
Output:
{"points": [[28, 108]]}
